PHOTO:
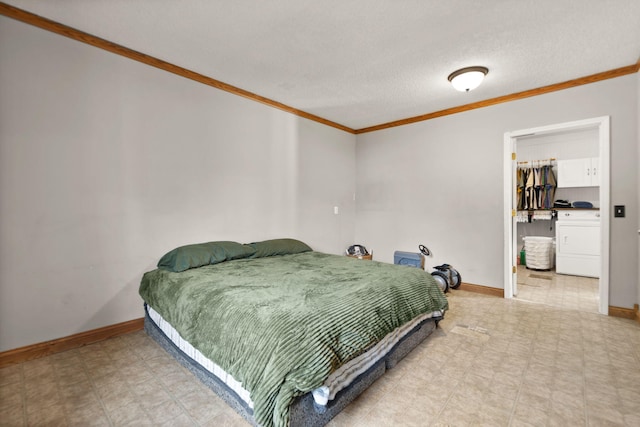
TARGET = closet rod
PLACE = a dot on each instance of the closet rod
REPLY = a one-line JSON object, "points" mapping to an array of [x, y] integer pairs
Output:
{"points": [[552, 159]]}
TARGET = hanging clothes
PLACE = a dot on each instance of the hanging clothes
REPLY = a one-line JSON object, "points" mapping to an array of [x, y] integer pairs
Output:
{"points": [[549, 187], [521, 179], [535, 187], [530, 189]]}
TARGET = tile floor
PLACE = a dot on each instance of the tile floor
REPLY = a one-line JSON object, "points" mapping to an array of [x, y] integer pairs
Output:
{"points": [[493, 362], [558, 290]]}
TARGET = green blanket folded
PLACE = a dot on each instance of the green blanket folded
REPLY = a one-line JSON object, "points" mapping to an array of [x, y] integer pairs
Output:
{"points": [[280, 325]]}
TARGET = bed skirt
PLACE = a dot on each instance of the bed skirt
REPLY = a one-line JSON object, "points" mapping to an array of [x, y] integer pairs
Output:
{"points": [[303, 411]]}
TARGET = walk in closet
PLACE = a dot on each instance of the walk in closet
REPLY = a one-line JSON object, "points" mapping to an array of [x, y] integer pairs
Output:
{"points": [[558, 198]]}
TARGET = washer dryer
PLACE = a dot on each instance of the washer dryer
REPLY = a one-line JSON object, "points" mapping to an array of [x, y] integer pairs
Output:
{"points": [[578, 242]]}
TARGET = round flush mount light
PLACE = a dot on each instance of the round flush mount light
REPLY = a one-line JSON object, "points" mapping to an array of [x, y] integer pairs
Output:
{"points": [[467, 78]]}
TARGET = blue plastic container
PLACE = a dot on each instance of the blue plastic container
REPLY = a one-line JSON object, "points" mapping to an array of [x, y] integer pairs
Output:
{"points": [[410, 259]]}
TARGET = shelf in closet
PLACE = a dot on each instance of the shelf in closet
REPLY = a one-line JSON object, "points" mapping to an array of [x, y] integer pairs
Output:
{"points": [[558, 209]]}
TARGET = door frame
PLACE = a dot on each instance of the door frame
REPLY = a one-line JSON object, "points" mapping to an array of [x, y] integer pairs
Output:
{"points": [[510, 232]]}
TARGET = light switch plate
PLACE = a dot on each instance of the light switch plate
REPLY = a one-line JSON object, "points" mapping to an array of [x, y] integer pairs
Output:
{"points": [[618, 211]]}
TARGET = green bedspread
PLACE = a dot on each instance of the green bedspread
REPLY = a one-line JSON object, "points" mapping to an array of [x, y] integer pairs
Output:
{"points": [[280, 325]]}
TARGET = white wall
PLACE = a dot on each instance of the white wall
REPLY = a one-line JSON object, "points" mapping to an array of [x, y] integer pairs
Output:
{"points": [[439, 182], [106, 164]]}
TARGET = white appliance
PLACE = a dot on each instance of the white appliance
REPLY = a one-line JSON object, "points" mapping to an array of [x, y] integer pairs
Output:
{"points": [[578, 243]]}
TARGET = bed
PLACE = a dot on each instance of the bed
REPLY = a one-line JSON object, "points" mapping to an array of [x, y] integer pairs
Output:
{"points": [[285, 335]]}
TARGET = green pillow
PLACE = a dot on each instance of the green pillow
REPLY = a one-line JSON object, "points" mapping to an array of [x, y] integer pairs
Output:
{"points": [[192, 256], [278, 247], [235, 250]]}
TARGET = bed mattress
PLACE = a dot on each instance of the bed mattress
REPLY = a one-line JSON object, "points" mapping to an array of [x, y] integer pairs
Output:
{"points": [[280, 327], [304, 412], [336, 382]]}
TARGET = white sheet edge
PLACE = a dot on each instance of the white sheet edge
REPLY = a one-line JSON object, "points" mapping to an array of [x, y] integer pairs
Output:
{"points": [[344, 375], [199, 358]]}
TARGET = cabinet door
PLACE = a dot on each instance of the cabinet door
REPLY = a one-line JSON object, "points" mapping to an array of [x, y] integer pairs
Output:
{"points": [[574, 173], [595, 172], [579, 172]]}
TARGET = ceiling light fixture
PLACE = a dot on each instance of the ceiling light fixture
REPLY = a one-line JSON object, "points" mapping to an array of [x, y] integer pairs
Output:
{"points": [[468, 78]]}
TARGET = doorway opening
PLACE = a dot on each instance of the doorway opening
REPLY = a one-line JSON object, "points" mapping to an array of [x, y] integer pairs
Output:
{"points": [[584, 139]]}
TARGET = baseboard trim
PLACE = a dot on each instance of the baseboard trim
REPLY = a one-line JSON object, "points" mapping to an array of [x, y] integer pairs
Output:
{"points": [[479, 289], [81, 339], [626, 313]]}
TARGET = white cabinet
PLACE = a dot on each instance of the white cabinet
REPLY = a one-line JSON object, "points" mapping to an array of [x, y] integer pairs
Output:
{"points": [[579, 172]]}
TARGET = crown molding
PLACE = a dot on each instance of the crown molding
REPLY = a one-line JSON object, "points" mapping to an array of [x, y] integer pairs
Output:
{"points": [[605, 75], [64, 30], [72, 33]]}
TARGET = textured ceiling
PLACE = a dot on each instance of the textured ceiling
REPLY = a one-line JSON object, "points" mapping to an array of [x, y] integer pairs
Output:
{"points": [[361, 63]]}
